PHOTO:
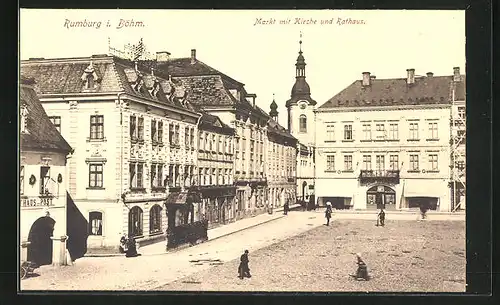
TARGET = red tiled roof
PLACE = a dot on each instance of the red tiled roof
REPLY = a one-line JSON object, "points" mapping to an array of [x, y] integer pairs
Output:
{"points": [[41, 133], [386, 92]]}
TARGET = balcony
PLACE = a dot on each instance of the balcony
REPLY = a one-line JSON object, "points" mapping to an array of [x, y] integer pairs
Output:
{"points": [[379, 176]]}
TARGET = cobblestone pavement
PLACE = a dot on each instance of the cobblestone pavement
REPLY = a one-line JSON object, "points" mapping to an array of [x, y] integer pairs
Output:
{"points": [[148, 272], [403, 256]]}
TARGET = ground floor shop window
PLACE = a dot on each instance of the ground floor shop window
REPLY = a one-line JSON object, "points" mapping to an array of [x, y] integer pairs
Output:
{"points": [[135, 221], [95, 223], [155, 219]]}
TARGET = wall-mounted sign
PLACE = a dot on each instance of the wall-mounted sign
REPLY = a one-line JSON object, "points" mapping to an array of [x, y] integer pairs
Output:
{"points": [[36, 201]]}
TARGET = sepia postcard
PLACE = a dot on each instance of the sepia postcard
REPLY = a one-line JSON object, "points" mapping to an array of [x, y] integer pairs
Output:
{"points": [[242, 150]]}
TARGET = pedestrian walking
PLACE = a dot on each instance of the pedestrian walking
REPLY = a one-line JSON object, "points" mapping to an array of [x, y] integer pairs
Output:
{"points": [[286, 208], [362, 271], [243, 269], [328, 212], [423, 210], [381, 218]]}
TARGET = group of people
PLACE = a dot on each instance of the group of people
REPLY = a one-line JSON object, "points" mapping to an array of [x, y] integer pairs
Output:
{"points": [[128, 246]]}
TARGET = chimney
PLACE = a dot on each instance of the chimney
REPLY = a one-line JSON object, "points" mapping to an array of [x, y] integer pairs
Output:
{"points": [[456, 74], [193, 56], [366, 79], [372, 77], [430, 74], [253, 96], [410, 79], [162, 56]]}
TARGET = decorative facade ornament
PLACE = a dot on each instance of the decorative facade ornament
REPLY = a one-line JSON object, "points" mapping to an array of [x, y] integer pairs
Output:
{"points": [[73, 105]]}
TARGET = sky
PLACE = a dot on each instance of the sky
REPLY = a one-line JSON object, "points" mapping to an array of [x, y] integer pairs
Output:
{"points": [[249, 47]]}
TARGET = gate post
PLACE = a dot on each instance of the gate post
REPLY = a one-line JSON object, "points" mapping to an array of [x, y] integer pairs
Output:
{"points": [[59, 250]]}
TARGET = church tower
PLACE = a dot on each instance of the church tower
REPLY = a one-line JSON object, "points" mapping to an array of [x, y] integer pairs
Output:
{"points": [[300, 106], [274, 112]]}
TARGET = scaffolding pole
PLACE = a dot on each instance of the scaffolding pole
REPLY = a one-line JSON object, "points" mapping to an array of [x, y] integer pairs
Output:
{"points": [[457, 152]]}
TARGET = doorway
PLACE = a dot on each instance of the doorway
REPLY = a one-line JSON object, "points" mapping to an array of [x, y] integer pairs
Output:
{"points": [[40, 248], [380, 197]]}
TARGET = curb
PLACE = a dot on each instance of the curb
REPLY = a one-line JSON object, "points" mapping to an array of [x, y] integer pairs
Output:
{"points": [[176, 250]]}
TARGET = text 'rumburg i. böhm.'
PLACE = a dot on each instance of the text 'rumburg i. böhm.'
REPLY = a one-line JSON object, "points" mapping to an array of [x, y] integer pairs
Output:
{"points": [[308, 21], [120, 24]]}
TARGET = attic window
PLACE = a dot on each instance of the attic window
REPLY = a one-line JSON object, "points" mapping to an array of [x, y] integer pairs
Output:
{"points": [[90, 77], [24, 116]]}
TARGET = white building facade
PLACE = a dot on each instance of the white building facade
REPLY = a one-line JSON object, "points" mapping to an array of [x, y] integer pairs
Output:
{"points": [[386, 143], [43, 183]]}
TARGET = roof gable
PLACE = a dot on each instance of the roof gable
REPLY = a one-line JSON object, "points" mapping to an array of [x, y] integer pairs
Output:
{"points": [[40, 133]]}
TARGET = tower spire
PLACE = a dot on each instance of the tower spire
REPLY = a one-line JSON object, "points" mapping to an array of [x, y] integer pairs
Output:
{"points": [[300, 43]]}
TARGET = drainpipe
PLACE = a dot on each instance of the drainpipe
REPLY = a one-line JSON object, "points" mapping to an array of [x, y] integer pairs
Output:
{"points": [[120, 103]]}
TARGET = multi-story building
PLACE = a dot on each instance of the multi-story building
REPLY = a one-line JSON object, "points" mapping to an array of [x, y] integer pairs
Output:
{"points": [[134, 138], [281, 162], [215, 170], [457, 141], [301, 124], [226, 98], [386, 142], [43, 182]]}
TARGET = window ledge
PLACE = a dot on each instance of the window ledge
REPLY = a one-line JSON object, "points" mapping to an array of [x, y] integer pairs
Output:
{"points": [[413, 171], [138, 189], [95, 188], [330, 141], [348, 140], [365, 140], [413, 140], [96, 140], [155, 233], [348, 171], [158, 189], [432, 140], [330, 171], [432, 171]]}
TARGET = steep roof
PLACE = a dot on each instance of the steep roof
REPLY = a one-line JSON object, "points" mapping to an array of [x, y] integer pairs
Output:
{"points": [[40, 133], [114, 74], [275, 128], [214, 123], [396, 91]]}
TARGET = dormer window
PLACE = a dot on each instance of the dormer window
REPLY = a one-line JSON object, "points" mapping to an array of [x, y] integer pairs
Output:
{"points": [[24, 118], [90, 77]]}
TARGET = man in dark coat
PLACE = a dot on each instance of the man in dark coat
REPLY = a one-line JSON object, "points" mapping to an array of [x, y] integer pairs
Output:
{"points": [[131, 248], [286, 208], [381, 218], [328, 213], [243, 269], [423, 210]]}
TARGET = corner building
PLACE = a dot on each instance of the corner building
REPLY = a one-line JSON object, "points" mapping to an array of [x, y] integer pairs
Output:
{"points": [[386, 142]]}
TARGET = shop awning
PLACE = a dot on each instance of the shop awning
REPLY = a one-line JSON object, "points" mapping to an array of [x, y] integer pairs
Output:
{"points": [[425, 188], [336, 187], [182, 198]]}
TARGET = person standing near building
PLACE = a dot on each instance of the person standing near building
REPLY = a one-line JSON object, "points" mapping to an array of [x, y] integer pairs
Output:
{"points": [[286, 208], [328, 212], [381, 218], [423, 210]]}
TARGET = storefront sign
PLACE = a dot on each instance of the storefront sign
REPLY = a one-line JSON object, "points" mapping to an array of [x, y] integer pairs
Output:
{"points": [[36, 201]]}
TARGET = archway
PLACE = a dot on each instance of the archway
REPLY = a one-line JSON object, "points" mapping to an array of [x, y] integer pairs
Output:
{"points": [[40, 248], [380, 197]]}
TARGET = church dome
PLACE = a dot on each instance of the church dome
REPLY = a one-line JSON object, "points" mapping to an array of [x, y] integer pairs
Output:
{"points": [[301, 87]]}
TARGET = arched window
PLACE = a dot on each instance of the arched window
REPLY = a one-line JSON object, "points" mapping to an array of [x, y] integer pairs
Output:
{"points": [[135, 221], [155, 219], [95, 223], [302, 123]]}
